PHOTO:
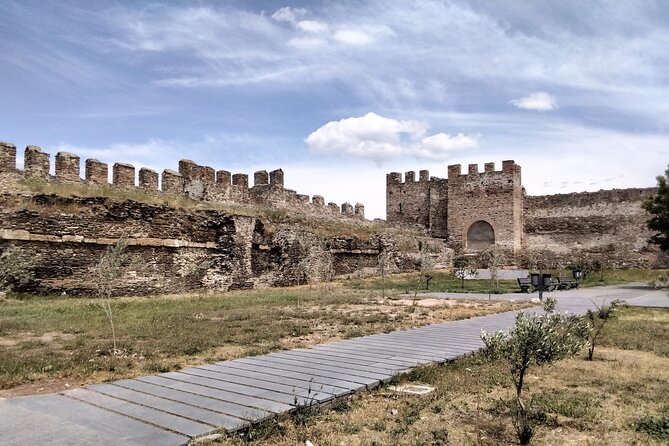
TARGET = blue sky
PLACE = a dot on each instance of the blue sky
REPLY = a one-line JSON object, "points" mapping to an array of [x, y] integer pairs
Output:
{"points": [[340, 93]]}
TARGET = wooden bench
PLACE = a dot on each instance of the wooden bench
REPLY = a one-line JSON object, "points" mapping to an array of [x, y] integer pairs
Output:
{"points": [[567, 283], [525, 283]]}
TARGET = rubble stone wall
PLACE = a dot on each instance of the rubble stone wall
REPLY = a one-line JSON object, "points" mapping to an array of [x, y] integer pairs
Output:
{"points": [[178, 250], [609, 224]]}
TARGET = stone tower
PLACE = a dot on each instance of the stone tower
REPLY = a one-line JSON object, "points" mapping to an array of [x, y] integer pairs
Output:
{"points": [[471, 211]]}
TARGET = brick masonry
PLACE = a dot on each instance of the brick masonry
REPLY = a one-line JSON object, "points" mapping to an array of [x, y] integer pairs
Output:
{"points": [[606, 224]]}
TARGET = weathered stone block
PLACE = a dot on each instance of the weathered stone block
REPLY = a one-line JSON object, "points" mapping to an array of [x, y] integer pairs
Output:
{"points": [[123, 175], [508, 166], [148, 179], [97, 172], [347, 209], [36, 163], [394, 177], [489, 167], [318, 201], [223, 177], [454, 171], [410, 177], [301, 198], [424, 175], [189, 170], [360, 210], [260, 178], [7, 157], [240, 180], [67, 167], [207, 175], [334, 207], [172, 182], [473, 169], [276, 178]]}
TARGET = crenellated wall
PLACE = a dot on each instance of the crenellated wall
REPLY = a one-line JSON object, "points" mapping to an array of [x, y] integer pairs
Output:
{"points": [[194, 181], [180, 250], [493, 197], [476, 208]]}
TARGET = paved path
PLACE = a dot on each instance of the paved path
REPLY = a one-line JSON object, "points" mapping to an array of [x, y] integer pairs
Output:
{"points": [[173, 408]]}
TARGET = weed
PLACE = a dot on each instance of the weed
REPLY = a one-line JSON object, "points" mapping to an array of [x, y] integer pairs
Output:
{"points": [[655, 426]]}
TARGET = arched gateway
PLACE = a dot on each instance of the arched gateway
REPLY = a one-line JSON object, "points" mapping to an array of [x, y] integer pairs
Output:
{"points": [[480, 235]]}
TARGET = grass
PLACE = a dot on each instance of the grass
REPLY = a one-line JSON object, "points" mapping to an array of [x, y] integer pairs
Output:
{"points": [[68, 339], [444, 281], [621, 398]]}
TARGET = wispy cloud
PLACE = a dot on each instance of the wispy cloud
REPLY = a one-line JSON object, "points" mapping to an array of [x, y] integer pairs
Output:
{"points": [[540, 100]]}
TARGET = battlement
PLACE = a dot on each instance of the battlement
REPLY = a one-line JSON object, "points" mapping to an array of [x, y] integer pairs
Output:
{"points": [[409, 177], [508, 167], [192, 180]]}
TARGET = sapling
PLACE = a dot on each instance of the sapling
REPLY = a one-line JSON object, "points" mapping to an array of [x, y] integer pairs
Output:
{"points": [[597, 319], [110, 269], [535, 340]]}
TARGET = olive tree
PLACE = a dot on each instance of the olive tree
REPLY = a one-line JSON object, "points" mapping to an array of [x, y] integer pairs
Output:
{"points": [[597, 319], [535, 340]]}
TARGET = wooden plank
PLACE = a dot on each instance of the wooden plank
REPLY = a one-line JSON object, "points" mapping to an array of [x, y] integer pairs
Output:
{"points": [[244, 400], [188, 411], [148, 415], [205, 402]]}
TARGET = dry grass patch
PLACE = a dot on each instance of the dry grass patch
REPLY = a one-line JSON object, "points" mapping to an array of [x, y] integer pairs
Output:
{"points": [[621, 398], [67, 340]]}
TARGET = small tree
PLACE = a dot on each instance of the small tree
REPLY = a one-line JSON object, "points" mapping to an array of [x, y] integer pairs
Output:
{"points": [[111, 268], [426, 264], [492, 258], [461, 269], [536, 339], [658, 207], [16, 269], [597, 319]]}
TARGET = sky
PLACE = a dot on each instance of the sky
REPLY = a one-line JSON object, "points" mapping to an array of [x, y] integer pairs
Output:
{"points": [[338, 94]]}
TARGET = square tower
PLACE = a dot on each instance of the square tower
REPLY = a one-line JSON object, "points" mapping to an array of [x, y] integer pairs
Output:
{"points": [[485, 208]]}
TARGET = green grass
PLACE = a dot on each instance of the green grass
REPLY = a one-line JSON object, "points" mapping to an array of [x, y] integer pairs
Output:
{"points": [[638, 329], [444, 281]]}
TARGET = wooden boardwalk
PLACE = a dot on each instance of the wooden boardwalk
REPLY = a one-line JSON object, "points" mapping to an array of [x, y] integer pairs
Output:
{"points": [[173, 408]]}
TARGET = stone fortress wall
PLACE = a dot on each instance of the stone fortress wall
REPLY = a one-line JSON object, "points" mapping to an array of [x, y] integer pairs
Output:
{"points": [[188, 249], [609, 224], [197, 182], [447, 208]]}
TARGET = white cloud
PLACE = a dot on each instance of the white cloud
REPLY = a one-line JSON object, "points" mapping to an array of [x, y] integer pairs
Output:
{"points": [[288, 14], [363, 35], [540, 100], [312, 26], [379, 138]]}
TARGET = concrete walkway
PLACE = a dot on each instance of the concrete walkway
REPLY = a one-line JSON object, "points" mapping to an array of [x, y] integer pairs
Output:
{"points": [[173, 408]]}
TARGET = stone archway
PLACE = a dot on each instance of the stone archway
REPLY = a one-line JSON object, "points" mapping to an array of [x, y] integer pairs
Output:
{"points": [[480, 235]]}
